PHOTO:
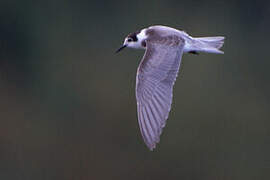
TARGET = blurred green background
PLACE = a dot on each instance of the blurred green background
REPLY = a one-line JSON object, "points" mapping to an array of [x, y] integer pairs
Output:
{"points": [[67, 102]]}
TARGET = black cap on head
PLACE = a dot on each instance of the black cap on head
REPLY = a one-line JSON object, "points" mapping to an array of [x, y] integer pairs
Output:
{"points": [[133, 36]]}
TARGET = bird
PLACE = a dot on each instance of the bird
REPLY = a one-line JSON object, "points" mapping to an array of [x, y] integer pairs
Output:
{"points": [[158, 70]]}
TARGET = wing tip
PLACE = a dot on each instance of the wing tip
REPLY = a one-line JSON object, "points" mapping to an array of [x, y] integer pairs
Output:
{"points": [[152, 146]]}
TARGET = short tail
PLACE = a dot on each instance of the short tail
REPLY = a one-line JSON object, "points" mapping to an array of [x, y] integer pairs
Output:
{"points": [[210, 44]]}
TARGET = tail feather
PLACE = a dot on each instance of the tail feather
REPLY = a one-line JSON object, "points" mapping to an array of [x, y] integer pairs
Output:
{"points": [[215, 42], [211, 44]]}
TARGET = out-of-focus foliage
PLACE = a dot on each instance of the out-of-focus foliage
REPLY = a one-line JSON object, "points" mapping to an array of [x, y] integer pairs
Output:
{"points": [[67, 102]]}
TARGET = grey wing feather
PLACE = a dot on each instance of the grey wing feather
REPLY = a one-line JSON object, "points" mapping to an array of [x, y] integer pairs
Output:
{"points": [[156, 75]]}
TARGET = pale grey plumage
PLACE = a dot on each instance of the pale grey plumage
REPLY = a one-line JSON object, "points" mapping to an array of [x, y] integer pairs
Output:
{"points": [[158, 70], [156, 75]]}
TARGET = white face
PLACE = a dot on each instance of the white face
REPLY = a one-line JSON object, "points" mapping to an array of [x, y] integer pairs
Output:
{"points": [[129, 42]]}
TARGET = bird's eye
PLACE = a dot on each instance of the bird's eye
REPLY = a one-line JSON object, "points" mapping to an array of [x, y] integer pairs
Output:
{"points": [[129, 40]]}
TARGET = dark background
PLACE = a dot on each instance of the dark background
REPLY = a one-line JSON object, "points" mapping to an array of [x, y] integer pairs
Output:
{"points": [[67, 102]]}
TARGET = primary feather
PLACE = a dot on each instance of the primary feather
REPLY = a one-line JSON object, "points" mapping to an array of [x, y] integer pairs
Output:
{"points": [[156, 75]]}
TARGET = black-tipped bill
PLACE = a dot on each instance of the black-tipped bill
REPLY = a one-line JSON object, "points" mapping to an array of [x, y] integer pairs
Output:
{"points": [[121, 48]]}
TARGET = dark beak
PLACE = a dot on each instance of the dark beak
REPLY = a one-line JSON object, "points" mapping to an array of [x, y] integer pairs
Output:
{"points": [[121, 48]]}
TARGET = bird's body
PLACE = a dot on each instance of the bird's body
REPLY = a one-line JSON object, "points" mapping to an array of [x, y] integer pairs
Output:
{"points": [[158, 70]]}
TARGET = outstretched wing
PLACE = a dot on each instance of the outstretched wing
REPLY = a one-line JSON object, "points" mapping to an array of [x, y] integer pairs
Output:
{"points": [[156, 75]]}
